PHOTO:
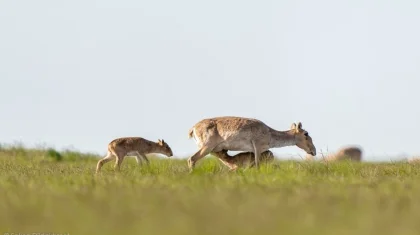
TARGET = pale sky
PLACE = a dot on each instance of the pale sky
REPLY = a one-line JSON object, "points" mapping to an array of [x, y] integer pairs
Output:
{"points": [[81, 73]]}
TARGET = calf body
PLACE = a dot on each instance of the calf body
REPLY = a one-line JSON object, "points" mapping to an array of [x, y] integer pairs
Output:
{"points": [[137, 146], [242, 159]]}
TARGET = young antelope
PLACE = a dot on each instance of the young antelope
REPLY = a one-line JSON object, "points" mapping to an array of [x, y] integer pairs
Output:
{"points": [[129, 146], [242, 159]]}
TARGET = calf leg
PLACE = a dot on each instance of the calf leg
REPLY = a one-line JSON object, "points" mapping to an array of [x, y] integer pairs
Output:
{"points": [[228, 164], [233, 167]]}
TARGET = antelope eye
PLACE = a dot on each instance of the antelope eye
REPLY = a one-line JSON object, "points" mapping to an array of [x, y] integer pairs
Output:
{"points": [[306, 133]]}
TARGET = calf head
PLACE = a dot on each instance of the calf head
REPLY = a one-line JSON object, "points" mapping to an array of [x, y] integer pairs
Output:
{"points": [[165, 149]]}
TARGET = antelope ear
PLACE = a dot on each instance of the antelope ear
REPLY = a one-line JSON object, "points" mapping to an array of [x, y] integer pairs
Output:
{"points": [[163, 141], [293, 127], [299, 126], [159, 141]]}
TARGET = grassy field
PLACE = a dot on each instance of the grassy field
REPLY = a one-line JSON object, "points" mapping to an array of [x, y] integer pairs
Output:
{"points": [[49, 192]]}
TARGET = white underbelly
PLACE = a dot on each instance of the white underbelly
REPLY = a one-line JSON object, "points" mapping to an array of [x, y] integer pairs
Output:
{"points": [[235, 146], [131, 153], [240, 145]]}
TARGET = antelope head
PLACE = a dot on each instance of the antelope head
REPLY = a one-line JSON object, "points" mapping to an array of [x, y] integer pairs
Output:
{"points": [[165, 149], [303, 140]]}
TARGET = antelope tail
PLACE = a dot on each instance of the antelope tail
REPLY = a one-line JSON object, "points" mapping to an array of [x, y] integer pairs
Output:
{"points": [[191, 133]]}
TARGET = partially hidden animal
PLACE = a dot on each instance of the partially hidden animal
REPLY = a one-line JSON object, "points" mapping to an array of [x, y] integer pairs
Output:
{"points": [[242, 159], [346, 154], [244, 134], [414, 160], [119, 148]]}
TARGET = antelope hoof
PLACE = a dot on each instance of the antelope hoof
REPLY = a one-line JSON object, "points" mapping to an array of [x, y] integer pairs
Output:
{"points": [[191, 163], [233, 169]]}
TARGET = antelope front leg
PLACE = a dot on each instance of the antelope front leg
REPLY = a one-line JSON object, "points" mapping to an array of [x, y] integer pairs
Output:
{"points": [[104, 160], [257, 153], [197, 156], [145, 158], [118, 162], [139, 158]]}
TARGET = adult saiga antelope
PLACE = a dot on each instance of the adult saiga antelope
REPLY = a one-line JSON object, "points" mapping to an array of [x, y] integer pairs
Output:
{"points": [[242, 159], [244, 134], [121, 147]]}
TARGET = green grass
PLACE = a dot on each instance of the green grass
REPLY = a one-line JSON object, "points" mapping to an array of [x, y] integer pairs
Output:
{"points": [[40, 192]]}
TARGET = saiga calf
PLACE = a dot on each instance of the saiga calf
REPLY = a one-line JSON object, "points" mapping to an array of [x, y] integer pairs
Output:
{"points": [[137, 146], [242, 159]]}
